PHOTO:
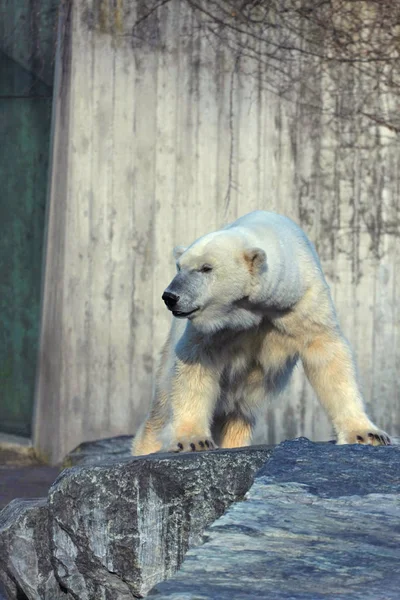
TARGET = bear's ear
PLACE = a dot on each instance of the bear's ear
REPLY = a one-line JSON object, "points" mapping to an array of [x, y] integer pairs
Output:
{"points": [[178, 251], [255, 258]]}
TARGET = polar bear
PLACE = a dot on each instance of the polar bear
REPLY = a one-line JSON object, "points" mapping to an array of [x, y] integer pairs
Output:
{"points": [[249, 301]]}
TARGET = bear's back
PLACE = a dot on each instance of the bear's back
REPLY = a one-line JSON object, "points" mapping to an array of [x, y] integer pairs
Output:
{"points": [[291, 257]]}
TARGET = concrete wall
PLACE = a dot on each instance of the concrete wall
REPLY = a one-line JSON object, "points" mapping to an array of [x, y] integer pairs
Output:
{"points": [[159, 137]]}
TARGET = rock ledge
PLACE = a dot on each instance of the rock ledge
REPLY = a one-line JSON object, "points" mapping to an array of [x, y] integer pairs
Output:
{"points": [[114, 529], [320, 521]]}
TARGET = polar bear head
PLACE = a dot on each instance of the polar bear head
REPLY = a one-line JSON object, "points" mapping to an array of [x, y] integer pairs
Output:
{"points": [[218, 277]]}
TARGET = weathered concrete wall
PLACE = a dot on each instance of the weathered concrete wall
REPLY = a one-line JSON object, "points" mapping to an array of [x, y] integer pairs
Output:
{"points": [[159, 137]]}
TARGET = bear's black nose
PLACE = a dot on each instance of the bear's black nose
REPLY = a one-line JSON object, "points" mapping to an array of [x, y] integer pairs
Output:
{"points": [[170, 299]]}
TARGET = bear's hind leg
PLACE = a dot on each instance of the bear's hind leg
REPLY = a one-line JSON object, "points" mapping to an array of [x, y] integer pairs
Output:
{"points": [[236, 428], [236, 432]]}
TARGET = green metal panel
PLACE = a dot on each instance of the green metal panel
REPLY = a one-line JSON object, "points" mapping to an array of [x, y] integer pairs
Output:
{"points": [[25, 115], [28, 34]]}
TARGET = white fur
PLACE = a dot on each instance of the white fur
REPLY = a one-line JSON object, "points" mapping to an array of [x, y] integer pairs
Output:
{"points": [[254, 300]]}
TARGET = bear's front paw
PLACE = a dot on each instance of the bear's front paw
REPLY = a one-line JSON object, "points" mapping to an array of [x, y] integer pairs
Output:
{"points": [[371, 437], [193, 445]]}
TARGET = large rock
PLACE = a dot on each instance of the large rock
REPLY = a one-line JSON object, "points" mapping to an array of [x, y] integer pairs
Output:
{"points": [[320, 521], [100, 452], [119, 529], [25, 559], [111, 531]]}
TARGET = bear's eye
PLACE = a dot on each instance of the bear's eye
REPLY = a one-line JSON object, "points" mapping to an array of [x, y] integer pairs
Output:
{"points": [[178, 267], [205, 269]]}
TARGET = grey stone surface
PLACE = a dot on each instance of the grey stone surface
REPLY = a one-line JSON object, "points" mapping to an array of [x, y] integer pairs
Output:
{"points": [[116, 530], [320, 521], [105, 451], [25, 568]]}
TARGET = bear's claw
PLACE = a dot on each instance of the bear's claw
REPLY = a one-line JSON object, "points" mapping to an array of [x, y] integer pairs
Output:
{"points": [[368, 438], [193, 445]]}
